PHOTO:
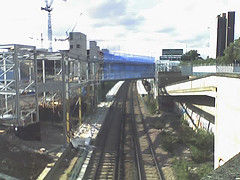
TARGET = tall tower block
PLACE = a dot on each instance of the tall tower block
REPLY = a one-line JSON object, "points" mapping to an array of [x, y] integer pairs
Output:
{"points": [[221, 34], [225, 31], [230, 28]]}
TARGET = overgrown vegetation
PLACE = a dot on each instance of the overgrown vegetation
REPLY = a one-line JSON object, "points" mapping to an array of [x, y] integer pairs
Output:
{"points": [[182, 168], [169, 141], [151, 104], [188, 170], [158, 125], [200, 144]]}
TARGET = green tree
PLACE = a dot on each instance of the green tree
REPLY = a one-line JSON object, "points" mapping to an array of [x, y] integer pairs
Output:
{"points": [[231, 53], [191, 55]]}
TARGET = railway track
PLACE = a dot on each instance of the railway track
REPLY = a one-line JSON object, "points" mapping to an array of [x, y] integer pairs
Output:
{"points": [[124, 149], [105, 160], [147, 163]]}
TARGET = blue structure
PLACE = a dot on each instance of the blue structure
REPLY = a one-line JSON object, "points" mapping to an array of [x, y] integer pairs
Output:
{"points": [[125, 66]]}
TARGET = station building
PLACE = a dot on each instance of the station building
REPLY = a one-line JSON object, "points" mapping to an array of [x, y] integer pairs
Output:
{"points": [[170, 60]]}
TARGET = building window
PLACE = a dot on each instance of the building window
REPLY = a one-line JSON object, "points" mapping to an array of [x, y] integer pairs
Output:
{"points": [[71, 46], [78, 46], [71, 36]]}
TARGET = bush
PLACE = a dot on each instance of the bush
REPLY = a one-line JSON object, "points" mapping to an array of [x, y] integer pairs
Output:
{"points": [[181, 167], [200, 155], [201, 145], [151, 104], [204, 169], [204, 139], [200, 142], [168, 141], [159, 125], [187, 170], [188, 132]]}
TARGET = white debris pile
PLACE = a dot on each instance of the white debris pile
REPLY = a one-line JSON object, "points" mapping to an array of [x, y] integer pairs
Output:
{"points": [[104, 104], [84, 134]]}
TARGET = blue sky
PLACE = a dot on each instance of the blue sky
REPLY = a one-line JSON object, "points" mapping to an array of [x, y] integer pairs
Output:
{"points": [[142, 27]]}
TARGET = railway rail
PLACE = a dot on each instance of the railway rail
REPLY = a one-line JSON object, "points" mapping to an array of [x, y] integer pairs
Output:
{"points": [[105, 160], [147, 162], [124, 149]]}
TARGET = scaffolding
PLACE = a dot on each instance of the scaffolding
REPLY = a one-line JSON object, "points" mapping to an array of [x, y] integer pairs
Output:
{"points": [[31, 79], [18, 102]]}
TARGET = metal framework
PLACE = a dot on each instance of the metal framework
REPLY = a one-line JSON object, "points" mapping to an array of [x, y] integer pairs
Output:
{"points": [[18, 88], [30, 78]]}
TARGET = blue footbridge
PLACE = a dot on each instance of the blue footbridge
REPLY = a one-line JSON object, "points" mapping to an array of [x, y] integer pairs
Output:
{"points": [[117, 66]]}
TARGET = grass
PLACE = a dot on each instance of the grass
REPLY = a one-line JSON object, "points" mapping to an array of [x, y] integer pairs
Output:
{"points": [[188, 170]]}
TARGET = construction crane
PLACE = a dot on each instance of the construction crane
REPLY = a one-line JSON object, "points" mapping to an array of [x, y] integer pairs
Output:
{"points": [[49, 10]]}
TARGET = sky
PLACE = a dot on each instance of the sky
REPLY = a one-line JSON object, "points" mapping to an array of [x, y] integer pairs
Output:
{"points": [[140, 27]]}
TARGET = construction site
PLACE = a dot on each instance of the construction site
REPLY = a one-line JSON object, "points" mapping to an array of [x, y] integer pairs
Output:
{"points": [[38, 90], [46, 95]]}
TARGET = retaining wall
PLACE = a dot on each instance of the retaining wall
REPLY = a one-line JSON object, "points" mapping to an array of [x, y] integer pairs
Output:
{"points": [[193, 118]]}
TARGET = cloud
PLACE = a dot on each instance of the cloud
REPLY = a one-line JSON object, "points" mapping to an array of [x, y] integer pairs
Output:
{"points": [[139, 5], [167, 30], [197, 41], [131, 21], [115, 13], [109, 8]]}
